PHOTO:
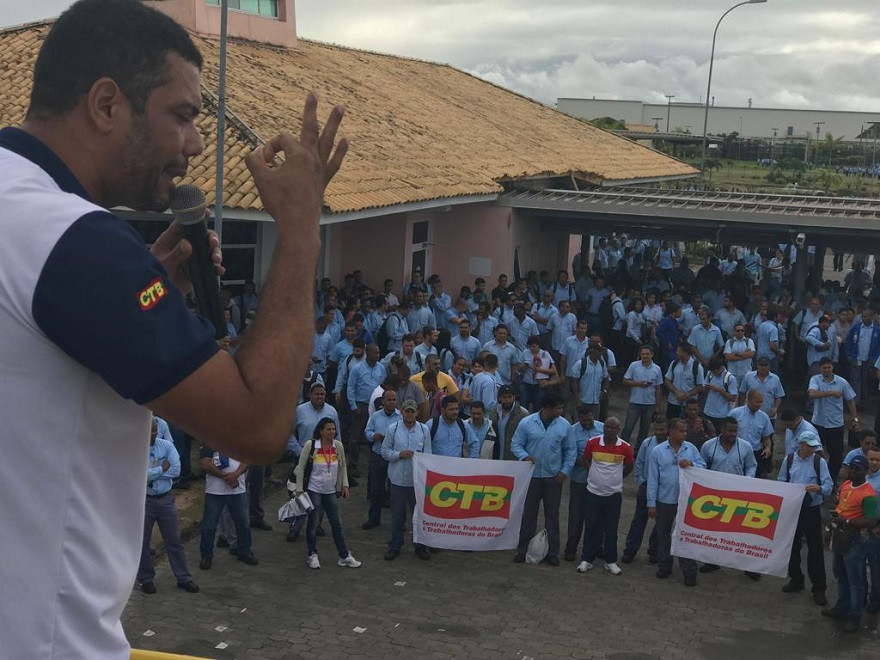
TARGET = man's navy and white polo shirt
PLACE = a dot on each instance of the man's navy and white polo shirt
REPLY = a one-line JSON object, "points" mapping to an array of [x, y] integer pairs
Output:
{"points": [[92, 329]]}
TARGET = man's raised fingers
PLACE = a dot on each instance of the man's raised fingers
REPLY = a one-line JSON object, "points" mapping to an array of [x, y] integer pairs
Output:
{"points": [[328, 135], [308, 134], [263, 156], [336, 161]]}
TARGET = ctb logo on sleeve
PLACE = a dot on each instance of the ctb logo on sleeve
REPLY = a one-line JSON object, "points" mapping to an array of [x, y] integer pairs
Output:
{"points": [[150, 297], [733, 511], [480, 496]]}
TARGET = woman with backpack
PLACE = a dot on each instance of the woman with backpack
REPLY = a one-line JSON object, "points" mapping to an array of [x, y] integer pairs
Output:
{"points": [[322, 472]]}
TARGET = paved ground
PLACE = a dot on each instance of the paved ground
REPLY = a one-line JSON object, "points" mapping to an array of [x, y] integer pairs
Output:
{"points": [[472, 605]]}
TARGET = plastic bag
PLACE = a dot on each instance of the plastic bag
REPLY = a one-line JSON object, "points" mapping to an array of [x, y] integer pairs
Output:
{"points": [[538, 548], [295, 507]]}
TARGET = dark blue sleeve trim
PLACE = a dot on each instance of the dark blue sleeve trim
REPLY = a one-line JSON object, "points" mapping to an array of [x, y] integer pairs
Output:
{"points": [[107, 302]]}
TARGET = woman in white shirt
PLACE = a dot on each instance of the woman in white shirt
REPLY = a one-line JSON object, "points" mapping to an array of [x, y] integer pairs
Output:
{"points": [[322, 468]]}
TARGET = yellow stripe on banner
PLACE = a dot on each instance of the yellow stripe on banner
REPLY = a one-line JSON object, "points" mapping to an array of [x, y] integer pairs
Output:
{"points": [[607, 457], [156, 655]]}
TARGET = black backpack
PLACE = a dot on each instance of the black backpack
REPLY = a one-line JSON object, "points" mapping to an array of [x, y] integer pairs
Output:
{"points": [[790, 459], [695, 364], [435, 424], [382, 338], [602, 360]]}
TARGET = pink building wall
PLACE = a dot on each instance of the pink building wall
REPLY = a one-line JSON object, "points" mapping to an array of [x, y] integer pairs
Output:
{"points": [[199, 16], [480, 235]]}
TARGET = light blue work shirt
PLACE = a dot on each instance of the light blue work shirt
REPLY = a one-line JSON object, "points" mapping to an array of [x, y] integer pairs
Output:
{"points": [[828, 411], [448, 440], [378, 423], [340, 351], [440, 304], [706, 341], [591, 382], [414, 362], [644, 453], [580, 436], [814, 342], [739, 460], [467, 348], [482, 432], [158, 480], [373, 321], [484, 330], [484, 387], [739, 368], [865, 335], [520, 331], [396, 328], [807, 320], [573, 349], [792, 438], [646, 396], [561, 328], [320, 350], [545, 312], [768, 332], [399, 438], [420, 317], [551, 447], [508, 355], [716, 405], [803, 471], [663, 471], [681, 374], [162, 429], [752, 426], [770, 387], [307, 418], [727, 320], [425, 351], [362, 380], [874, 480]]}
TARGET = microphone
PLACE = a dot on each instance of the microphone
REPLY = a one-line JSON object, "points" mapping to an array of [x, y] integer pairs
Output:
{"points": [[188, 208]]}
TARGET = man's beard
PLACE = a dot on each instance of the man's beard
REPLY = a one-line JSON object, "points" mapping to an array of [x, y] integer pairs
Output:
{"points": [[141, 174]]}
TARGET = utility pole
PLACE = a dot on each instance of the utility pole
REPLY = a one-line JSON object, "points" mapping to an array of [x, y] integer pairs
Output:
{"points": [[818, 125], [669, 98]]}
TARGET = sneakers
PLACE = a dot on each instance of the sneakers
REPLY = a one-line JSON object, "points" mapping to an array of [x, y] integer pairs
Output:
{"points": [[314, 564], [248, 559], [585, 566], [349, 562], [613, 568]]}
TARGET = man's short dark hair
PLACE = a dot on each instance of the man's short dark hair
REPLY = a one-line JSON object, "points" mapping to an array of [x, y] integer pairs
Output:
{"points": [[358, 343], [789, 414], [119, 39], [446, 400], [490, 361], [729, 420], [407, 338], [478, 404], [825, 360], [553, 400]]}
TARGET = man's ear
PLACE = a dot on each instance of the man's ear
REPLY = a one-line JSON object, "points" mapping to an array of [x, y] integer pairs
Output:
{"points": [[105, 104]]}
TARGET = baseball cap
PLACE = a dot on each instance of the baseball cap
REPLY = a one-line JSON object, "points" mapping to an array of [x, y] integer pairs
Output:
{"points": [[858, 461], [811, 439], [409, 404]]}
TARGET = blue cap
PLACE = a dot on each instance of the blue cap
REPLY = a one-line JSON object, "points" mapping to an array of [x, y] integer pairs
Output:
{"points": [[810, 439], [859, 461]]}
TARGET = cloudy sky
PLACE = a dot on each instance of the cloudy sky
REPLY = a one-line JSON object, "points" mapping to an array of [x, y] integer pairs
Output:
{"points": [[786, 53]]}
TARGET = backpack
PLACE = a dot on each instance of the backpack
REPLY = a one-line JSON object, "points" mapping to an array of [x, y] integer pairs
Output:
{"points": [[695, 365], [382, 338], [347, 370], [715, 449], [461, 428], [602, 360], [570, 286], [790, 459]]}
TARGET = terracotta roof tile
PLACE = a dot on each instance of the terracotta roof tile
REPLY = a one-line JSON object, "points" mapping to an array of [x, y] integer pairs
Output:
{"points": [[418, 130]]}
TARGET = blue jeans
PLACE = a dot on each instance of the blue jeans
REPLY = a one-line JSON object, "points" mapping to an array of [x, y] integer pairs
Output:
{"points": [[238, 510], [329, 504], [849, 570]]}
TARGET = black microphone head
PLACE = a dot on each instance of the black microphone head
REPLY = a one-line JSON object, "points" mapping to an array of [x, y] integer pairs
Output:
{"points": [[188, 204]]}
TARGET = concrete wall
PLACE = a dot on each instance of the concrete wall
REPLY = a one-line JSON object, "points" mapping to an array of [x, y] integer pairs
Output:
{"points": [[199, 16], [375, 245], [756, 122]]}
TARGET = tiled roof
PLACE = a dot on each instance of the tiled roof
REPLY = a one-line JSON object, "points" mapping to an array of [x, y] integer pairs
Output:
{"points": [[418, 130]]}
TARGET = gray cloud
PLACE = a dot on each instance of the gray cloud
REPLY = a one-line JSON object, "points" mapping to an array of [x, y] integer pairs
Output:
{"points": [[799, 53]]}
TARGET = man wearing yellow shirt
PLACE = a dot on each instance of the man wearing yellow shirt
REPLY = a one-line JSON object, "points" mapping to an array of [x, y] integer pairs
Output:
{"points": [[444, 381]]}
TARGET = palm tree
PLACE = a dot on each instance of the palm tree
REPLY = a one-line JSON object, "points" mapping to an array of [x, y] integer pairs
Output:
{"points": [[828, 146]]}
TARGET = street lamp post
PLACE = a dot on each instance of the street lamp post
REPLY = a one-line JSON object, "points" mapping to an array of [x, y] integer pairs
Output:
{"points": [[669, 98], [711, 64]]}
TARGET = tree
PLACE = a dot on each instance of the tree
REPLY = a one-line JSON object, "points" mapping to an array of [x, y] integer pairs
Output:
{"points": [[608, 123], [828, 145]]}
